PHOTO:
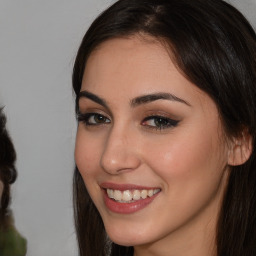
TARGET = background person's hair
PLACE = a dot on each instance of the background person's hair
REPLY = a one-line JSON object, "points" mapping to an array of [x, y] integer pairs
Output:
{"points": [[214, 46], [8, 172]]}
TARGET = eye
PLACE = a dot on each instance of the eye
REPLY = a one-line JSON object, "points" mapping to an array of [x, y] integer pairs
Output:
{"points": [[93, 119], [159, 122]]}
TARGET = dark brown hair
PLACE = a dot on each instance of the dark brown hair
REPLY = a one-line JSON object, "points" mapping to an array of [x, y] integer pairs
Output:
{"points": [[214, 46], [8, 172]]}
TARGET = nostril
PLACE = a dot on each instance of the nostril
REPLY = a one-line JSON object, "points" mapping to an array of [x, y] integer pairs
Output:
{"points": [[119, 162]]}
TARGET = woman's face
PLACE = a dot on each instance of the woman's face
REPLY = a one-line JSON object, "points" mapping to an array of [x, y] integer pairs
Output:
{"points": [[150, 146]]}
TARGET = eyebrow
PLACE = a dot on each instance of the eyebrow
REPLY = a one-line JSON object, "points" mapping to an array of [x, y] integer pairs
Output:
{"points": [[144, 99], [93, 97]]}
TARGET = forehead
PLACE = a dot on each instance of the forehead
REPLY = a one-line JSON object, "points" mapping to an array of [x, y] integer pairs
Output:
{"points": [[128, 57], [129, 67]]}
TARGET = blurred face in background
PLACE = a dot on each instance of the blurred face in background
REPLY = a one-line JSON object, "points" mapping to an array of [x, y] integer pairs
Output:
{"points": [[1, 188], [150, 148]]}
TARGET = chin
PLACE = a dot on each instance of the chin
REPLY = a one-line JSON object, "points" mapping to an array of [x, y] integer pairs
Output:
{"points": [[125, 237], [125, 242]]}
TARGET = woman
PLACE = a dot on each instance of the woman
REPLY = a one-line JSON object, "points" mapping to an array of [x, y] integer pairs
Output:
{"points": [[11, 242], [165, 149]]}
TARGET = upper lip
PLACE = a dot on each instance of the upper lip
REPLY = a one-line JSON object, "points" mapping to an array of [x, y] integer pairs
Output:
{"points": [[122, 187]]}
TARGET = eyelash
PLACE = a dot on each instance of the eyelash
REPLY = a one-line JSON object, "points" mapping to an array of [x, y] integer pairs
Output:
{"points": [[163, 122], [85, 118], [166, 122]]}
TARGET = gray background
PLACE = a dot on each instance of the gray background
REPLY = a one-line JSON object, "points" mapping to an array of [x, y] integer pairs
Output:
{"points": [[38, 43]]}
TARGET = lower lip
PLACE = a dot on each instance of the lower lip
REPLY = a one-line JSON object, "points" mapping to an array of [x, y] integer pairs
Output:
{"points": [[127, 208]]}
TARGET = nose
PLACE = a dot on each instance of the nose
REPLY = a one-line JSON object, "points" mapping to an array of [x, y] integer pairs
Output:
{"points": [[120, 152]]}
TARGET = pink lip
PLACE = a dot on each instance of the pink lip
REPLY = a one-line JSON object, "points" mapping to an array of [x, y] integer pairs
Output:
{"points": [[125, 208]]}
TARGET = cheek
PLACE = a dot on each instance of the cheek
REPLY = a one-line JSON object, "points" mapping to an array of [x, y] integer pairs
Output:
{"points": [[191, 169], [189, 159], [87, 153]]}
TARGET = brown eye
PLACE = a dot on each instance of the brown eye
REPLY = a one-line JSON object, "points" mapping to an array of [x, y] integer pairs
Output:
{"points": [[93, 119], [97, 119], [159, 122]]}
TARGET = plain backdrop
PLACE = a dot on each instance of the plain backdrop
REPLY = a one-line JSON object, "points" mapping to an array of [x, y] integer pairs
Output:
{"points": [[38, 44]]}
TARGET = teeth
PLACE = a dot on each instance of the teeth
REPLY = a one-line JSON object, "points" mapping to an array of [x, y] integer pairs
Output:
{"points": [[127, 195], [110, 193], [136, 195], [117, 195], [150, 192], [144, 194], [130, 195]]}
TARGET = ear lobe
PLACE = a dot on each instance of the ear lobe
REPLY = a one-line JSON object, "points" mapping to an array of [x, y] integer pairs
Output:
{"points": [[240, 150]]}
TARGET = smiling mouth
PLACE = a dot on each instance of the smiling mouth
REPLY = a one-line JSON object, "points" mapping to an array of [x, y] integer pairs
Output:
{"points": [[131, 196]]}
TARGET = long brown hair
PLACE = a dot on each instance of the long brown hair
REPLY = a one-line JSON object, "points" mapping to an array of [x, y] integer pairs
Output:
{"points": [[214, 46]]}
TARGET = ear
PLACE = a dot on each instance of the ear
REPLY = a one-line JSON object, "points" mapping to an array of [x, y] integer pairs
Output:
{"points": [[240, 149]]}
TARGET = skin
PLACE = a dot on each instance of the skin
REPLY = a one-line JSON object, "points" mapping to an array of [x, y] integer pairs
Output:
{"points": [[187, 161]]}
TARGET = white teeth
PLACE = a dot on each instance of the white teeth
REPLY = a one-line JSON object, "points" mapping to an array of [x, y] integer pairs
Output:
{"points": [[110, 193], [156, 191], [117, 195], [130, 195], [144, 194], [150, 192], [136, 195], [127, 195]]}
